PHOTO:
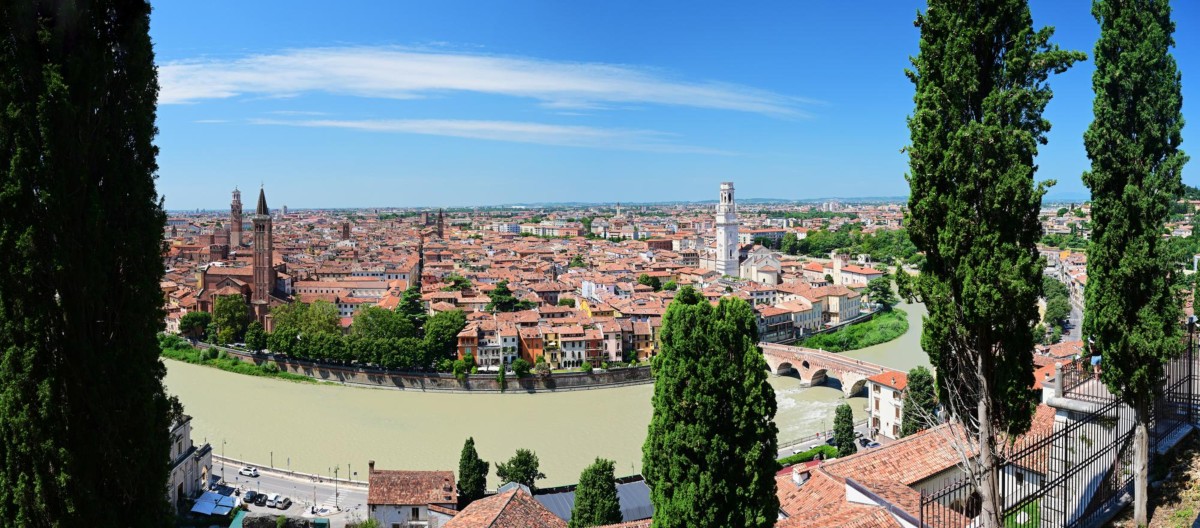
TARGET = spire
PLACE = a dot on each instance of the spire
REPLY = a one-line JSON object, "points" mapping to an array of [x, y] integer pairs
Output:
{"points": [[262, 203]]}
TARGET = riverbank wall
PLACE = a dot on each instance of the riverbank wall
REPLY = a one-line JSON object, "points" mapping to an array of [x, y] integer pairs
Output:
{"points": [[417, 381]]}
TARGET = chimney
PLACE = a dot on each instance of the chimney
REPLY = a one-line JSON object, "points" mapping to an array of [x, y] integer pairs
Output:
{"points": [[370, 466], [800, 476]]}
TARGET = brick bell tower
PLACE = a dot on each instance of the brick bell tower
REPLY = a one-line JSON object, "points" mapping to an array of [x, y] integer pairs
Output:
{"points": [[235, 219], [264, 273]]}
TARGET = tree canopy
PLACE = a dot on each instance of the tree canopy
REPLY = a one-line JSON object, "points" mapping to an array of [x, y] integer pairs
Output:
{"points": [[980, 78], [1133, 314], [472, 475], [596, 502], [920, 401], [843, 430], [522, 468], [709, 456], [84, 419]]}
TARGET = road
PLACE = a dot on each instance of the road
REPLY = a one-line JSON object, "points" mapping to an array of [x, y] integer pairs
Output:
{"points": [[1074, 324], [351, 500], [804, 444]]}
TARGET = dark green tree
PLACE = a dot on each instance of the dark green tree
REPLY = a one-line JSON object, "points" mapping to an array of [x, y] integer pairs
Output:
{"points": [[256, 338], [920, 402], [567, 301], [411, 307], [843, 430], [193, 324], [456, 282], [231, 315], [670, 286], [503, 300], [790, 243], [980, 79], [380, 323], [653, 282], [1133, 314], [441, 336], [521, 368], [472, 475], [880, 291], [709, 456], [596, 502], [84, 420], [1057, 310], [577, 262], [522, 468]]}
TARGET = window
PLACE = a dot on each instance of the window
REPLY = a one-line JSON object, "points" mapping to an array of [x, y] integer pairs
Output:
{"points": [[1020, 478], [416, 514], [897, 412]]}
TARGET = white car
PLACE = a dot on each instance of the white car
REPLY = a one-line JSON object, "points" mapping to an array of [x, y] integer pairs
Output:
{"points": [[249, 471], [274, 500]]}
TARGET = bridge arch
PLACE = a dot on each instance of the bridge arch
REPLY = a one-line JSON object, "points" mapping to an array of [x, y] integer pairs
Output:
{"points": [[785, 368]]}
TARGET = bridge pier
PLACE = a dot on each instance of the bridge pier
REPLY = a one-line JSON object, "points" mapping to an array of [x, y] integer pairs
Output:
{"points": [[814, 367]]}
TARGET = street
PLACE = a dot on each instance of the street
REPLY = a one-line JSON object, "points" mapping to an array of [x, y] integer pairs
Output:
{"points": [[804, 444], [351, 499]]}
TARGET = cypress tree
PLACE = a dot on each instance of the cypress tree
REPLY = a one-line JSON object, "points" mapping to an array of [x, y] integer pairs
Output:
{"points": [[709, 456], [84, 420], [596, 502], [472, 474], [980, 79], [843, 430], [1132, 313], [920, 401]]}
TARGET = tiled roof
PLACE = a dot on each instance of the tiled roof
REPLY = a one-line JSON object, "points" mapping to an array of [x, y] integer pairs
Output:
{"points": [[411, 487], [514, 508], [891, 378]]}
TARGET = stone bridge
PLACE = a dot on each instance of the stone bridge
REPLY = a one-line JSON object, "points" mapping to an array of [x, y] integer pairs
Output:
{"points": [[813, 366]]}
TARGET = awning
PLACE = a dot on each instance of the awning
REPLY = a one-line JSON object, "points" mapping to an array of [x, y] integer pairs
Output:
{"points": [[212, 503]]}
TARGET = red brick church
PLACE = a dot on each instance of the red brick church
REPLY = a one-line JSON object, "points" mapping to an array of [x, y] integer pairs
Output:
{"points": [[257, 283]]}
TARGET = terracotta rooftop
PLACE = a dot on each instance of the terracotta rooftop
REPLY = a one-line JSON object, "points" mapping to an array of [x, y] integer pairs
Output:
{"points": [[514, 508], [411, 487]]}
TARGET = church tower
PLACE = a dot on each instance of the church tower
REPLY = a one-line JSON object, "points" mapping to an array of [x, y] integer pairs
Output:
{"points": [[441, 224], [264, 273], [235, 219], [727, 232]]}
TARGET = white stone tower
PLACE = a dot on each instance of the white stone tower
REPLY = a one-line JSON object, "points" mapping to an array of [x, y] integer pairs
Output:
{"points": [[727, 232]]}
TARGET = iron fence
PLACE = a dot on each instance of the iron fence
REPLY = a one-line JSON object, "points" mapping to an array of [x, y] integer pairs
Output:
{"points": [[1081, 473]]}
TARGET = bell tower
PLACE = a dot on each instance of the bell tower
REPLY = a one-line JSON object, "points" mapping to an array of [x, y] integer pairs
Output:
{"points": [[264, 273], [727, 232], [235, 219]]}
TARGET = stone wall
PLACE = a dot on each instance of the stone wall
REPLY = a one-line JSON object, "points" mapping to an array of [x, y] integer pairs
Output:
{"points": [[380, 378]]}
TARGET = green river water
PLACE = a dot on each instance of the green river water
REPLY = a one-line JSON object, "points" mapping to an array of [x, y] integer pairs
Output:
{"points": [[312, 428]]}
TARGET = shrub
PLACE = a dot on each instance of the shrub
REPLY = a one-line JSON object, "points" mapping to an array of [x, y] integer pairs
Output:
{"points": [[586, 368], [271, 367], [826, 451]]}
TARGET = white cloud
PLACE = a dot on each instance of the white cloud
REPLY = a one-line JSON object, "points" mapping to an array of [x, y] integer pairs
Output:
{"points": [[405, 74], [512, 131]]}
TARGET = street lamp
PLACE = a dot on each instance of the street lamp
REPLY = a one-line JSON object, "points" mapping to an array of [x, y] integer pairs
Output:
{"points": [[222, 460], [335, 491]]}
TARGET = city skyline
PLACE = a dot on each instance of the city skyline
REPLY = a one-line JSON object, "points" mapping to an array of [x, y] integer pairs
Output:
{"points": [[564, 104]]}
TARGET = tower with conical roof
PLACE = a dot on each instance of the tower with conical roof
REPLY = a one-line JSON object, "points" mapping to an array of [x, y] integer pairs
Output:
{"points": [[264, 273], [235, 219], [441, 224]]}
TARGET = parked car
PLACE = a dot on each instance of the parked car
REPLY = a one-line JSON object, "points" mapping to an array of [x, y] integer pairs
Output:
{"points": [[873, 445], [249, 471], [250, 497], [273, 500], [283, 503], [832, 441], [862, 442], [261, 499]]}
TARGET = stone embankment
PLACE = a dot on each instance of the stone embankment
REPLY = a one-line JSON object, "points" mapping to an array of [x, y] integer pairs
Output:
{"points": [[418, 381]]}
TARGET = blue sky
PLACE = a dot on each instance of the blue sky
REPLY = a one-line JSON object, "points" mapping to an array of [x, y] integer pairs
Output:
{"points": [[447, 103]]}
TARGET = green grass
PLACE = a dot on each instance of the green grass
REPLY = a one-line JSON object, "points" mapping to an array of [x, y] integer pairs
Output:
{"points": [[180, 350], [880, 329], [1034, 519]]}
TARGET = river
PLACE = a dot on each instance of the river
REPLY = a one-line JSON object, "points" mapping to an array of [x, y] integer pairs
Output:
{"points": [[312, 428]]}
